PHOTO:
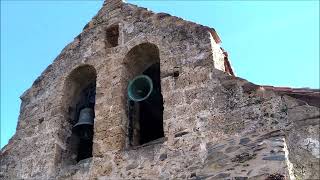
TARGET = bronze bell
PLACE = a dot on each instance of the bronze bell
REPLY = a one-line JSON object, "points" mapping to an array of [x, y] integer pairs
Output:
{"points": [[85, 121], [140, 88], [86, 117], [84, 132]]}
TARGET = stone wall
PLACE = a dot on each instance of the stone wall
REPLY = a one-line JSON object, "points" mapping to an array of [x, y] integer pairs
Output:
{"points": [[215, 125]]}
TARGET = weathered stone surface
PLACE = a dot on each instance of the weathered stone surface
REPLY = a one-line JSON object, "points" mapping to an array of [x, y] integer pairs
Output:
{"points": [[274, 158], [163, 157], [216, 126], [241, 158], [244, 141]]}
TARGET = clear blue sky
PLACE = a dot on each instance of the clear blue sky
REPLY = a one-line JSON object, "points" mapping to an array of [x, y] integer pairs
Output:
{"points": [[269, 42]]}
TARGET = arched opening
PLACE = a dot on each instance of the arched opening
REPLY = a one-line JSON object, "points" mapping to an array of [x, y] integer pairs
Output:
{"points": [[145, 112], [79, 99]]}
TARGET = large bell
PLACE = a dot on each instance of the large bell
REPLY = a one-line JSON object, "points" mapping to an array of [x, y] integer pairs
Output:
{"points": [[140, 88], [86, 118]]}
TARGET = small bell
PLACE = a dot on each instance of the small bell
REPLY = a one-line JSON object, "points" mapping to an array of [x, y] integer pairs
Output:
{"points": [[84, 131], [85, 122]]}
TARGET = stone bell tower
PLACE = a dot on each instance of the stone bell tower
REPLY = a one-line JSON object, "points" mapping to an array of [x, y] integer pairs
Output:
{"points": [[144, 95]]}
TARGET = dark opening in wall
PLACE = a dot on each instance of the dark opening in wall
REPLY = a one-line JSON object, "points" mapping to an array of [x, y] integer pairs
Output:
{"points": [[145, 100], [80, 101], [151, 109], [112, 35]]}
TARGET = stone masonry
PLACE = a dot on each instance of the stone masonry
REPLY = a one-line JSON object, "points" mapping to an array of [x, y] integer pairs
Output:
{"points": [[215, 125]]}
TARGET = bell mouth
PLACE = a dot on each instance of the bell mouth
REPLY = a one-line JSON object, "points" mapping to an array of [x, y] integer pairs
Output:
{"points": [[84, 131], [82, 124], [140, 88], [79, 128]]}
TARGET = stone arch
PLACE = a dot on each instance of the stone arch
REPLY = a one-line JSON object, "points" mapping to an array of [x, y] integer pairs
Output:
{"points": [[140, 57], [79, 79], [166, 60], [145, 117], [79, 93]]}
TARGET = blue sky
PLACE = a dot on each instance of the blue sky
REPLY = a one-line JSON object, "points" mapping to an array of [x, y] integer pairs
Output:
{"points": [[269, 42]]}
